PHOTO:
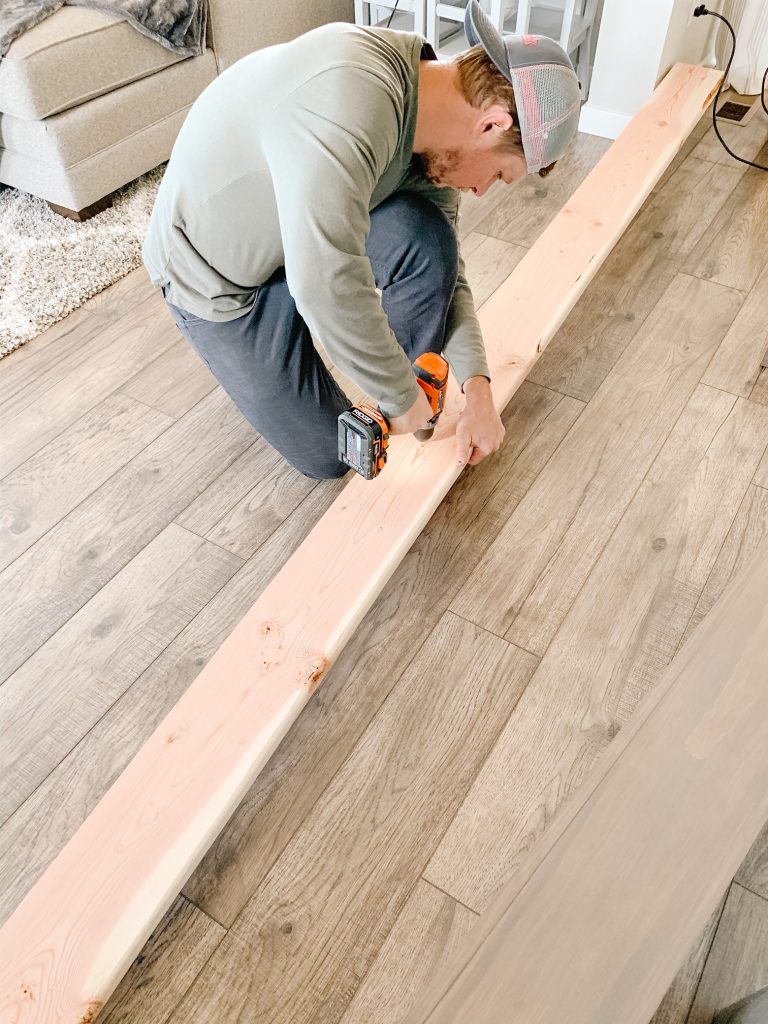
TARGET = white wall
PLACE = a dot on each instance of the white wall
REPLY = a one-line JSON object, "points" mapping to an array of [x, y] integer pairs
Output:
{"points": [[750, 21], [636, 46], [690, 40]]}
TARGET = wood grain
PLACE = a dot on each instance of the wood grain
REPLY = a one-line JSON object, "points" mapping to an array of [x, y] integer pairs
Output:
{"points": [[429, 930], [697, 133], [738, 963], [106, 645], [277, 655], [174, 382], [753, 873], [410, 607], [225, 491], [736, 364], [644, 851], [34, 835], [92, 359], [760, 390], [174, 955], [676, 1004], [111, 305], [248, 502], [745, 140], [47, 584], [519, 215], [474, 209], [736, 252], [39, 493], [613, 646], [300, 946], [607, 318], [559, 529], [745, 536], [489, 262]]}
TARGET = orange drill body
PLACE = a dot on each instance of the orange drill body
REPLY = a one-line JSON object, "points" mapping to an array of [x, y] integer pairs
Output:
{"points": [[364, 430], [431, 372]]}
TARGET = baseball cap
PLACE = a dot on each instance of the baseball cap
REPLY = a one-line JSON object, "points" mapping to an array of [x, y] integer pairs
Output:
{"points": [[543, 81]]}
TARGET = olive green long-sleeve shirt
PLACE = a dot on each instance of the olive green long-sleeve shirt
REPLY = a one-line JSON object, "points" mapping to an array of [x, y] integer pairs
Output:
{"points": [[279, 163]]}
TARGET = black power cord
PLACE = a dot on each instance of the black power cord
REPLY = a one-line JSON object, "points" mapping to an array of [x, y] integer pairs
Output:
{"points": [[391, 16], [698, 12]]}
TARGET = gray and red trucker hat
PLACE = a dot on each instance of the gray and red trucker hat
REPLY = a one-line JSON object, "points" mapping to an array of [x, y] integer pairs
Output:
{"points": [[545, 86]]}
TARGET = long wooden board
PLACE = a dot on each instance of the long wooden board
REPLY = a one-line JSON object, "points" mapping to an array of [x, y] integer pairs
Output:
{"points": [[71, 939], [595, 923]]}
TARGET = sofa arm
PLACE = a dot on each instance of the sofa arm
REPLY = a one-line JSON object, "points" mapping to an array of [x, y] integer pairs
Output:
{"points": [[237, 27]]}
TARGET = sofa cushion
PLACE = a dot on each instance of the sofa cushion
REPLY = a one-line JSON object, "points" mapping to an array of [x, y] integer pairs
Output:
{"points": [[97, 176], [82, 131], [72, 56]]}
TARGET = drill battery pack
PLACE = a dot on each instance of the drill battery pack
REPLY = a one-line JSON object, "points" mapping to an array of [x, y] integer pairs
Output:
{"points": [[364, 430], [363, 440]]}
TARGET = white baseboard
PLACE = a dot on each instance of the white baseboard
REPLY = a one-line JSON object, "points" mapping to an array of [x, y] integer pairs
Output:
{"points": [[606, 123]]}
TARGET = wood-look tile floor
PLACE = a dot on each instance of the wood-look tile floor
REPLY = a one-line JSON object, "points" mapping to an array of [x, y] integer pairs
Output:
{"points": [[141, 517]]}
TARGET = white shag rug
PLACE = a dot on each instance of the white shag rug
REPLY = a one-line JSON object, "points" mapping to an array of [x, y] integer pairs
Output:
{"points": [[49, 265]]}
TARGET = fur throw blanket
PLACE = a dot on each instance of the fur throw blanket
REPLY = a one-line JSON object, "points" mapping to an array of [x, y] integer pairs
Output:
{"points": [[179, 25]]}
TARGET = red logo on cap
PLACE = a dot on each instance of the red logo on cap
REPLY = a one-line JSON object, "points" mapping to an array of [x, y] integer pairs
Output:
{"points": [[530, 40]]}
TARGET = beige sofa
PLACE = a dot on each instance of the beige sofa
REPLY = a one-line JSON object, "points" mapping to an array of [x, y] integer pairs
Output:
{"points": [[87, 103]]}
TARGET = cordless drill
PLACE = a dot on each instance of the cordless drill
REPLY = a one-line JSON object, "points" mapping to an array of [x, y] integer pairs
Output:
{"points": [[364, 429]]}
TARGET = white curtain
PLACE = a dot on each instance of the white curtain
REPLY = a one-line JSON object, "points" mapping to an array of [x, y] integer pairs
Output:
{"points": [[750, 22]]}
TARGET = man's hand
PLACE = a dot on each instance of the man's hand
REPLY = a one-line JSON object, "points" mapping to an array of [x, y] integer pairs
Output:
{"points": [[479, 431], [416, 418]]}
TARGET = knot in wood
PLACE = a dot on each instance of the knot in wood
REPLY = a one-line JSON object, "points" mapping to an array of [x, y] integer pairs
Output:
{"points": [[315, 670], [91, 1012]]}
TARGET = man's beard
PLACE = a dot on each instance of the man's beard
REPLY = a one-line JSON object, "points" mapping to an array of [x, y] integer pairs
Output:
{"points": [[437, 166]]}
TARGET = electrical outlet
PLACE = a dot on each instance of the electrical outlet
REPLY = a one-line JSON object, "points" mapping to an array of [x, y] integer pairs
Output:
{"points": [[691, 8]]}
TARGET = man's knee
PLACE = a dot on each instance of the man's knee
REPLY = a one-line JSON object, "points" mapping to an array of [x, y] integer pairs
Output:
{"points": [[428, 239], [437, 236]]}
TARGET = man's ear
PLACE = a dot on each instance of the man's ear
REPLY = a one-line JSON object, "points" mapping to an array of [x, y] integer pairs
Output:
{"points": [[495, 118]]}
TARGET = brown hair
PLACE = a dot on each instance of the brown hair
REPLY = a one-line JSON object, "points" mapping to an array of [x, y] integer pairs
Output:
{"points": [[481, 83]]}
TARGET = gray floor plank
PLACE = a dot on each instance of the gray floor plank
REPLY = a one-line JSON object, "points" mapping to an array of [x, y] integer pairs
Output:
{"points": [[429, 930], [408, 608], [618, 637], [736, 253], [489, 263], [748, 529], [559, 529], [174, 382], [41, 491], [173, 956], [520, 214], [57, 575], [299, 948], [736, 365], [633, 279], [745, 140], [738, 961], [676, 1004], [753, 873], [33, 836], [760, 390], [56, 390], [276, 488], [58, 694], [224, 492]]}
